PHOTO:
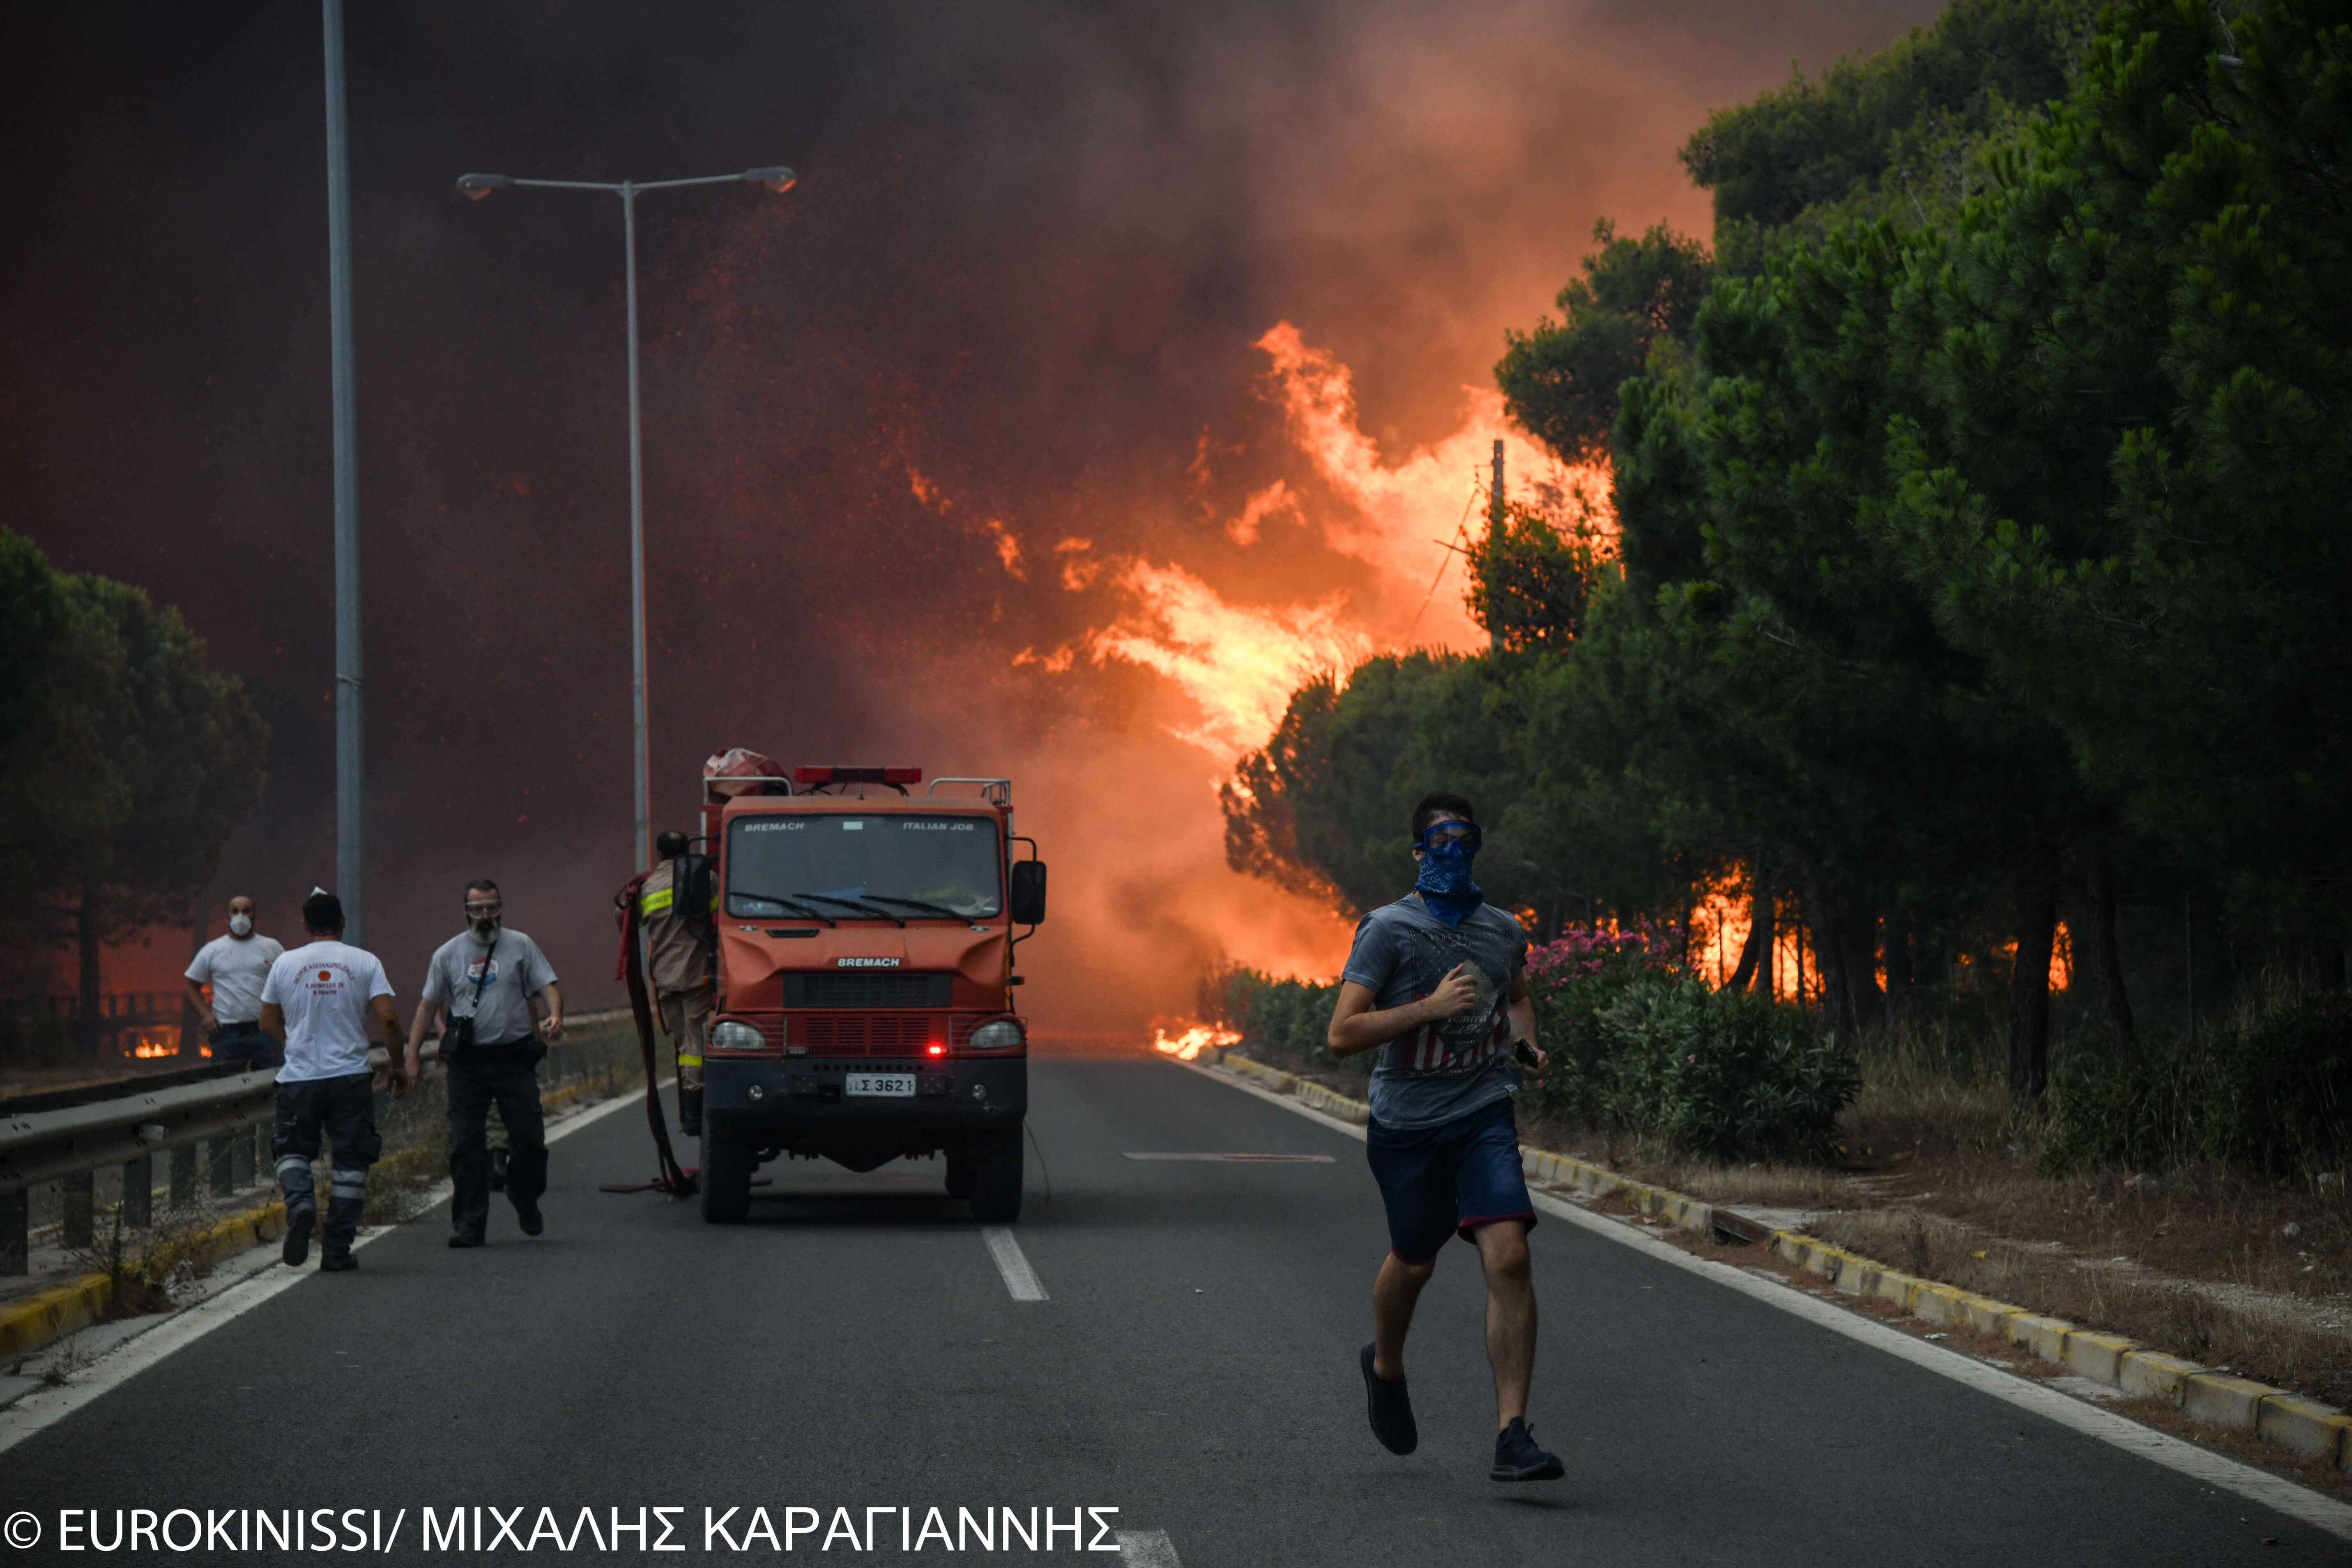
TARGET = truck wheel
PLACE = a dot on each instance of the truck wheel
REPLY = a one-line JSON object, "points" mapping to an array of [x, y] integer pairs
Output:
{"points": [[724, 1183], [959, 1167], [996, 1177]]}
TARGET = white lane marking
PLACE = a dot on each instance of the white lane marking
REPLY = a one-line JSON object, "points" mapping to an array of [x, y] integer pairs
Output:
{"points": [[46, 1407], [1148, 1549], [1019, 1277], [2250, 1482], [1246, 1159]]}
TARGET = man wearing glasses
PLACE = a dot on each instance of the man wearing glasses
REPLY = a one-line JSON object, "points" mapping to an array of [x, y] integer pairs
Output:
{"points": [[486, 983], [1436, 983]]}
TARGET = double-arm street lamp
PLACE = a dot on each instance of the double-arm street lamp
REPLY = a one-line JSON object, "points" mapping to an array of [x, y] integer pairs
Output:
{"points": [[481, 185]]}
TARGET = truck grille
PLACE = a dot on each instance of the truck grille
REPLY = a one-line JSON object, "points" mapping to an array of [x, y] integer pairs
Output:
{"points": [[866, 1034], [868, 989]]}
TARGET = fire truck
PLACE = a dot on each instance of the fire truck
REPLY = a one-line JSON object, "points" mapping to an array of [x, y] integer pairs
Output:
{"points": [[865, 979]]}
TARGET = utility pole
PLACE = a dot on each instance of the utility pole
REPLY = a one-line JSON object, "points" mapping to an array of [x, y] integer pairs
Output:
{"points": [[350, 825], [1495, 554]]}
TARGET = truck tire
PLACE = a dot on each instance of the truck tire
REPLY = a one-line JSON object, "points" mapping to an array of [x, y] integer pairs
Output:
{"points": [[996, 1176], [724, 1183]]}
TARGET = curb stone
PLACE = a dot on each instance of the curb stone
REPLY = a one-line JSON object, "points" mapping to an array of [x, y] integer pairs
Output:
{"points": [[2303, 1426], [49, 1315]]}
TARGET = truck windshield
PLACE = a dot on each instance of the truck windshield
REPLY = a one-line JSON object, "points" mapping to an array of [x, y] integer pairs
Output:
{"points": [[952, 863]]}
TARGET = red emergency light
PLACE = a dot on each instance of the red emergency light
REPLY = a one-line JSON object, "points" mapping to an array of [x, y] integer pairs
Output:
{"points": [[837, 776]]}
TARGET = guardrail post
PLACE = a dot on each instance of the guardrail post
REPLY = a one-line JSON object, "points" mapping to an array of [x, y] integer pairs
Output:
{"points": [[139, 1191], [240, 1157], [217, 1160], [184, 1175], [80, 1219], [15, 1232]]}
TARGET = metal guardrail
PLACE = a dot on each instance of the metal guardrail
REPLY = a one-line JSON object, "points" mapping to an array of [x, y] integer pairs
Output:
{"points": [[69, 1144]]}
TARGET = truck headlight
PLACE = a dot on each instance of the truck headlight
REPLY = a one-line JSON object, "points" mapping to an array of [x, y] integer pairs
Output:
{"points": [[732, 1036], [1002, 1035]]}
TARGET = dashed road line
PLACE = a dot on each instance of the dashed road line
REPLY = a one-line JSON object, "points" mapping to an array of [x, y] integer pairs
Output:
{"points": [[1019, 1277], [1148, 1549]]}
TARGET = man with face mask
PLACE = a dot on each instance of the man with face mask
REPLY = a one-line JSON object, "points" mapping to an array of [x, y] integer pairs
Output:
{"points": [[1436, 983], [486, 982], [235, 967]]}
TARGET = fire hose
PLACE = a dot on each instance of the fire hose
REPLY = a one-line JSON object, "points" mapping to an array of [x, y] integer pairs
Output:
{"points": [[673, 1179]]}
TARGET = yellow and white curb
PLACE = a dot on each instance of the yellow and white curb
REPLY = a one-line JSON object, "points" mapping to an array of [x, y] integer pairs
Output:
{"points": [[2303, 1426]]}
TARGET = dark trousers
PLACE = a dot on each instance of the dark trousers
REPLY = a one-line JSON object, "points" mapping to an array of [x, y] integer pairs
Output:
{"points": [[343, 1109], [247, 1046], [511, 1082]]}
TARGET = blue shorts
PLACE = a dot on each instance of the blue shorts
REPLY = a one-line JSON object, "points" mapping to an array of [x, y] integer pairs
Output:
{"points": [[1450, 1179]]}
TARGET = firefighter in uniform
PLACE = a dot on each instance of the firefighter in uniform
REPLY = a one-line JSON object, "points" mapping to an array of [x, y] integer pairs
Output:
{"points": [[678, 942]]}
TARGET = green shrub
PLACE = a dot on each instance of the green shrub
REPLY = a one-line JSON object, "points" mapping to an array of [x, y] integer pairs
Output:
{"points": [[1721, 1073], [1283, 1023], [2266, 1094]]}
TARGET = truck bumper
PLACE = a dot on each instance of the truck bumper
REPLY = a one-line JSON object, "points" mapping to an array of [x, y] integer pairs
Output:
{"points": [[805, 1094]]}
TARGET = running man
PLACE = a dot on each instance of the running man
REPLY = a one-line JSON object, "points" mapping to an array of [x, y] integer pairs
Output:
{"points": [[1436, 983]]}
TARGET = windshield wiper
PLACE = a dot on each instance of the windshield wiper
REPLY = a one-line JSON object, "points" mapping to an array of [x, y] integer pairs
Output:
{"points": [[867, 909], [925, 905], [794, 905]]}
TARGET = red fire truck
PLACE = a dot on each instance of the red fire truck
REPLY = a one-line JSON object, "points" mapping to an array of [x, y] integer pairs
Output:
{"points": [[865, 979]]}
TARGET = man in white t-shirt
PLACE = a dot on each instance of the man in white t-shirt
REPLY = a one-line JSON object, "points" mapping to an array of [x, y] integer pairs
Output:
{"points": [[318, 1000], [235, 966]]}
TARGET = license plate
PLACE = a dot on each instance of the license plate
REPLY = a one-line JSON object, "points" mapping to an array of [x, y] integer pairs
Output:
{"points": [[881, 1083]]}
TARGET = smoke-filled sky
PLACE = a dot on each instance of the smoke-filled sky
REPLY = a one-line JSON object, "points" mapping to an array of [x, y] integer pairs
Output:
{"points": [[1112, 366]]}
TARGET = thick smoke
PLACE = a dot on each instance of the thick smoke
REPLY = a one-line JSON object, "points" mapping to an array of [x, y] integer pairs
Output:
{"points": [[912, 431]]}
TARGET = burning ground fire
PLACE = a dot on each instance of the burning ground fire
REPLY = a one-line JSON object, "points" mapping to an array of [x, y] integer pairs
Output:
{"points": [[1190, 1044]]}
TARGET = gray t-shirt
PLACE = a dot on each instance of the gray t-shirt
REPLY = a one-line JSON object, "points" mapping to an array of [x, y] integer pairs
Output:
{"points": [[518, 969], [1443, 1070]]}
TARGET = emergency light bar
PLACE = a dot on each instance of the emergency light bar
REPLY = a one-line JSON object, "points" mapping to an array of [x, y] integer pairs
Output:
{"points": [[837, 775]]}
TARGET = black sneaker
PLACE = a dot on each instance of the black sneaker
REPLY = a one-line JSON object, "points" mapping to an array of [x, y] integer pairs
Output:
{"points": [[1390, 1410], [528, 1216], [300, 1219], [337, 1262], [465, 1238], [1516, 1458]]}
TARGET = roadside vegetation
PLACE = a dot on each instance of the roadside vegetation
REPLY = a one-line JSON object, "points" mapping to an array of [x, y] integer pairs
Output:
{"points": [[1923, 777]]}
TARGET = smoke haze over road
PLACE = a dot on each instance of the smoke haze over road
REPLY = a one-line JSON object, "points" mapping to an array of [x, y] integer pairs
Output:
{"points": [[992, 447]]}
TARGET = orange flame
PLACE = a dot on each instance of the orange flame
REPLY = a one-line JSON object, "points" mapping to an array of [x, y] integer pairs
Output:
{"points": [[1185, 1047], [148, 1044], [1238, 663]]}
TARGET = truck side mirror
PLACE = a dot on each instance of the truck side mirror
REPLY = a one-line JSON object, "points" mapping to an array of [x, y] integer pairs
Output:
{"points": [[1026, 893]]}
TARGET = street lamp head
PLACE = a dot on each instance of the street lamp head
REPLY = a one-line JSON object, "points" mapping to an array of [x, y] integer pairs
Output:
{"points": [[777, 179], [480, 185]]}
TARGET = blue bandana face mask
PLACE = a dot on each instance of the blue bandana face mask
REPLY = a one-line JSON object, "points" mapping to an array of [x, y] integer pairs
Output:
{"points": [[1444, 884]]}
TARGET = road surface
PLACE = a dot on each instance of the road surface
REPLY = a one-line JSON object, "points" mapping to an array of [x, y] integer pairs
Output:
{"points": [[859, 1346]]}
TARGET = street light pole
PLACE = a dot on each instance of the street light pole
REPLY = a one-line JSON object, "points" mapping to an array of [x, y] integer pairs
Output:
{"points": [[636, 542], [478, 186], [351, 798]]}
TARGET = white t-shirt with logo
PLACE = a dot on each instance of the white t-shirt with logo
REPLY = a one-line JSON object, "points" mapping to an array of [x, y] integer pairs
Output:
{"points": [[235, 967], [325, 991]]}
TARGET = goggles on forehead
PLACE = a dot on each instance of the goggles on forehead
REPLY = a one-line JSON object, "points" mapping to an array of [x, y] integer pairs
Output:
{"points": [[1438, 835]]}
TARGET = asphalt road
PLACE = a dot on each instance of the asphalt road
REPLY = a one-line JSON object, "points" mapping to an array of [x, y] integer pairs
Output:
{"points": [[1194, 1366]]}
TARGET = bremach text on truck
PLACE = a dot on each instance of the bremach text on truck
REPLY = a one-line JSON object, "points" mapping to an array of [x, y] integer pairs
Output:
{"points": [[864, 980]]}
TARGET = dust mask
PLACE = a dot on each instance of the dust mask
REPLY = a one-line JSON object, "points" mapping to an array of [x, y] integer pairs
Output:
{"points": [[240, 925]]}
